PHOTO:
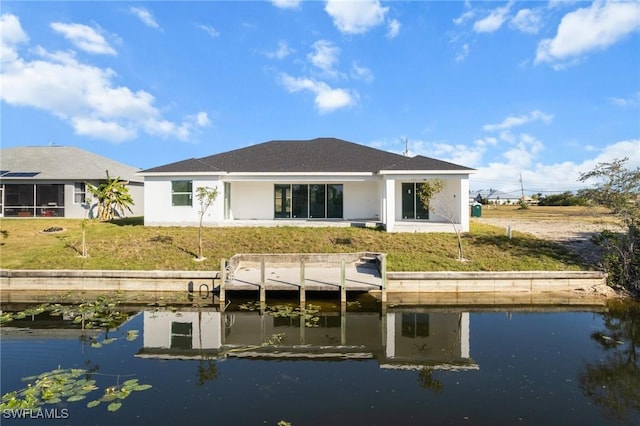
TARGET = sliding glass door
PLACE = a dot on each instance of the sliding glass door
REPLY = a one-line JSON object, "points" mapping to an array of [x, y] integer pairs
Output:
{"points": [[315, 201], [282, 201], [300, 201], [412, 207], [334, 201]]}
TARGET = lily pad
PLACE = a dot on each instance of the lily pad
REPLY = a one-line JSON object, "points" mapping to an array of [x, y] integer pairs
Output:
{"points": [[114, 406]]}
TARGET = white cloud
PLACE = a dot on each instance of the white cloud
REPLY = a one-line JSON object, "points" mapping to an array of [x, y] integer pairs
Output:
{"points": [[514, 121], [327, 99], [145, 16], [626, 102], [520, 160], [627, 148], [324, 56], [466, 16], [394, 28], [494, 20], [356, 17], [527, 21], [202, 119], [11, 35], [286, 4], [549, 178], [209, 30], [462, 53], [84, 38], [105, 130], [281, 52], [83, 95], [525, 150], [361, 73], [466, 155], [11, 32], [488, 141], [591, 28]]}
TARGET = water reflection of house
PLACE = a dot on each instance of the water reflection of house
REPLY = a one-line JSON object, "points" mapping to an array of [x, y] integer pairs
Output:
{"points": [[426, 339], [398, 339]]}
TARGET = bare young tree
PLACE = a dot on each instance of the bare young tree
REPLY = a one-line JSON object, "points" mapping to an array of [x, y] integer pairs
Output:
{"points": [[206, 197], [426, 193]]}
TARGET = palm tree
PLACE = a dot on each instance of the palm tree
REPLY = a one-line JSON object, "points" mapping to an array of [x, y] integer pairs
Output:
{"points": [[112, 197]]}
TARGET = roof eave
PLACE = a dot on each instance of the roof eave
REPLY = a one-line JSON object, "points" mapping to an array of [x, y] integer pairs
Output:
{"points": [[183, 173], [427, 172], [301, 174]]}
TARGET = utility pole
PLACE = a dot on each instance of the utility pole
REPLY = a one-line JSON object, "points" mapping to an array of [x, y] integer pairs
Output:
{"points": [[521, 188], [406, 147]]}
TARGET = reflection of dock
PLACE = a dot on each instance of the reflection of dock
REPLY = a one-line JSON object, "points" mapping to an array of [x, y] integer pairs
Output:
{"points": [[399, 339]]}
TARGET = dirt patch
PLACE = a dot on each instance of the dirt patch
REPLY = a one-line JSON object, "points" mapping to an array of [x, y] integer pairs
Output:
{"points": [[52, 230], [575, 235]]}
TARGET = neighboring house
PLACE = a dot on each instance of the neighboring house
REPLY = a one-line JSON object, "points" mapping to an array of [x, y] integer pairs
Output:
{"points": [[322, 181], [493, 196], [50, 181]]}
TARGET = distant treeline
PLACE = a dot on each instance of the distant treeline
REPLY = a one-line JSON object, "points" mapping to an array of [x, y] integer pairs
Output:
{"points": [[567, 198]]}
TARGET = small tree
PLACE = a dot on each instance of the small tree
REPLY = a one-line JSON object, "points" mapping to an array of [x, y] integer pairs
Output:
{"points": [[112, 197], [426, 192], [86, 206], [206, 197], [618, 189]]}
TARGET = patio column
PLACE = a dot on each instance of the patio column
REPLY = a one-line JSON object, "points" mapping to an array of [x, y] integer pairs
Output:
{"points": [[389, 204]]}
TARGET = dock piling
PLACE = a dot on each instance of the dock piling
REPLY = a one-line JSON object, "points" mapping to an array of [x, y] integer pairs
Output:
{"points": [[343, 287], [383, 276], [263, 282], [223, 279], [303, 296]]}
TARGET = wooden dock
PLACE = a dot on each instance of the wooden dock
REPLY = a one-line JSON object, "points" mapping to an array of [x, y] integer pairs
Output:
{"points": [[303, 272]]}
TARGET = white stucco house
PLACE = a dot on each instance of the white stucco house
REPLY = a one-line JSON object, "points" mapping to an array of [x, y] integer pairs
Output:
{"points": [[50, 181], [493, 196], [319, 182]]}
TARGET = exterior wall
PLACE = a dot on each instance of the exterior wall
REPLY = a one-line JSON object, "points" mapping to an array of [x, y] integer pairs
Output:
{"points": [[158, 210], [251, 201], [77, 211], [450, 205], [254, 200], [136, 189], [362, 200]]}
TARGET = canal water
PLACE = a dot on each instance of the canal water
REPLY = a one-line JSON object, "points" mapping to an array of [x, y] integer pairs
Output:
{"points": [[359, 364]]}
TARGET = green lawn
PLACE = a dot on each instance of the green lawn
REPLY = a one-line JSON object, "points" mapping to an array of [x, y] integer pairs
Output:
{"points": [[127, 244]]}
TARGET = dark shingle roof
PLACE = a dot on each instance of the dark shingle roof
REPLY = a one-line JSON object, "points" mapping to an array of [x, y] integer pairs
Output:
{"points": [[321, 155]]}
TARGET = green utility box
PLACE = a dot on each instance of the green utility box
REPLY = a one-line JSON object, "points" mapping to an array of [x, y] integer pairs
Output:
{"points": [[476, 210]]}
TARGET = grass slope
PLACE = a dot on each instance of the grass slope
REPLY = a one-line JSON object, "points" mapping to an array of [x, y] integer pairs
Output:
{"points": [[126, 244]]}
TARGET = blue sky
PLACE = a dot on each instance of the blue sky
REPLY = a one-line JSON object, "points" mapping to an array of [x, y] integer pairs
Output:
{"points": [[542, 90]]}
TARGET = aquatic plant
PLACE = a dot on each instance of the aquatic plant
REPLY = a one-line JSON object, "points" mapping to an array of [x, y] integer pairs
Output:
{"points": [[50, 387], [306, 314], [69, 385], [118, 392], [98, 313]]}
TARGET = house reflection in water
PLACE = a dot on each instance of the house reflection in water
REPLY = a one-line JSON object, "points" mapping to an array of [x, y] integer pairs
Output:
{"points": [[397, 339]]}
